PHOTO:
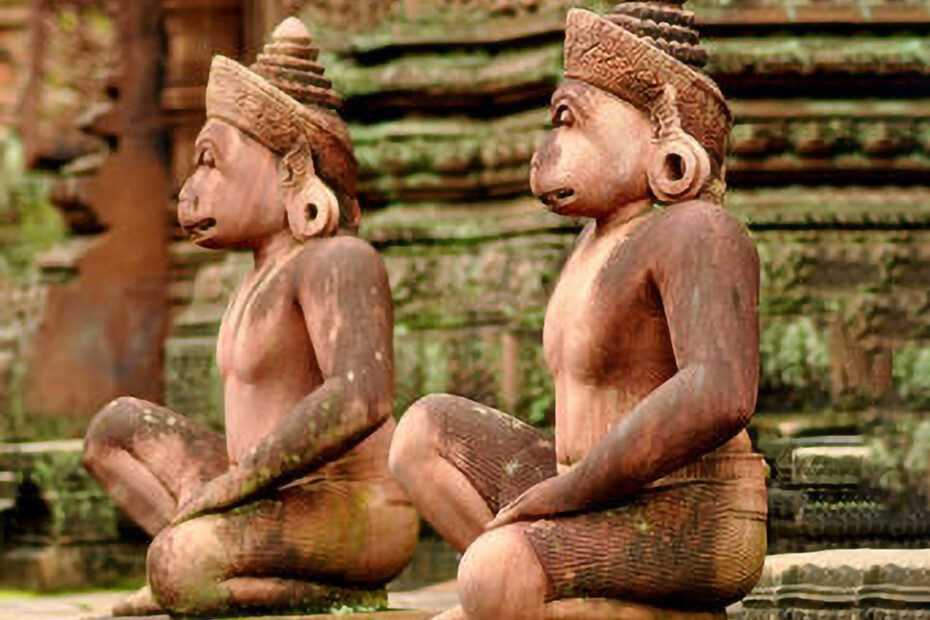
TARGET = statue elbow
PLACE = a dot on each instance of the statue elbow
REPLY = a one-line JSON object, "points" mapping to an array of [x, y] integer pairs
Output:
{"points": [[742, 412], [732, 397], [739, 407], [379, 409]]}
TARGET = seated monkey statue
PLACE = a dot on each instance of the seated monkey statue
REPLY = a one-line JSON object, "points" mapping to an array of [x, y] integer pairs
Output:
{"points": [[650, 501], [295, 507]]}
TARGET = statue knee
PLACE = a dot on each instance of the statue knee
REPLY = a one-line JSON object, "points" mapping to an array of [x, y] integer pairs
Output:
{"points": [[501, 577], [185, 566], [111, 427], [415, 438]]}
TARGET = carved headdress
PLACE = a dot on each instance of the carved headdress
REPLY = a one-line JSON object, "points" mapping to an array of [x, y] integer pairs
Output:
{"points": [[284, 102], [648, 53]]}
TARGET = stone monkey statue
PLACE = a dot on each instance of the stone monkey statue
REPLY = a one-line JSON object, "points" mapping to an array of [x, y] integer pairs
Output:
{"points": [[650, 501], [297, 494]]}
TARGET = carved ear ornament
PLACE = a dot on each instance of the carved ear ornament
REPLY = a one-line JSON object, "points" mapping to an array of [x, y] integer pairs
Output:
{"points": [[312, 208], [680, 167], [313, 211]]}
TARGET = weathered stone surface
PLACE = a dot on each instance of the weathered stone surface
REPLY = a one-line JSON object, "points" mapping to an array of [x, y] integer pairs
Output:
{"points": [[102, 333], [446, 170], [831, 492], [847, 583], [441, 159], [408, 605], [828, 465], [72, 567], [56, 502], [457, 269]]}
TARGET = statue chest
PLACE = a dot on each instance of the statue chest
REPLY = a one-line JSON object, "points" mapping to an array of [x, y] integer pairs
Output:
{"points": [[604, 317], [263, 334]]}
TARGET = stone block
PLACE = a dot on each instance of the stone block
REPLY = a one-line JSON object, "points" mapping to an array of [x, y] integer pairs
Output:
{"points": [[829, 465], [853, 584]]}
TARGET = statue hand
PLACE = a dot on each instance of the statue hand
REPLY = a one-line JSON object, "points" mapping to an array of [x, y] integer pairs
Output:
{"points": [[545, 498], [221, 492]]}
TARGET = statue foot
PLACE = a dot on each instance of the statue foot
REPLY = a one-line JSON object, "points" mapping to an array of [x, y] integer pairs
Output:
{"points": [[139, 603]]}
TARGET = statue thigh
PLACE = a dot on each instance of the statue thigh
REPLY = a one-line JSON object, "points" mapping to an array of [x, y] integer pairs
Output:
{"points": [[498, 454]]}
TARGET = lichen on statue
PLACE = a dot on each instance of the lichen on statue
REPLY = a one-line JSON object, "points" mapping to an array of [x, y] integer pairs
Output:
{"points": [[649, 502], [294, 509]]}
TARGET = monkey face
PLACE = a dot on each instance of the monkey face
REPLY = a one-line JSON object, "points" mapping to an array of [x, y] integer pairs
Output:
{"points": [[594, 159], [233, 198]]}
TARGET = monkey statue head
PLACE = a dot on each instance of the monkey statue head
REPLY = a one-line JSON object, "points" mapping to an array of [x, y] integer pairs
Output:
{"points": [[635, 118], [274, 153]]}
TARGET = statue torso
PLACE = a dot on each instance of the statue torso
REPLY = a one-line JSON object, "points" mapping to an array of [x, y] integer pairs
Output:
{"points": [[267, 363], [606, 338]]}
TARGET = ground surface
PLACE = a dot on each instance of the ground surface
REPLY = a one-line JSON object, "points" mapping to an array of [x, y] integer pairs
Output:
{"points": [[417, 605]]}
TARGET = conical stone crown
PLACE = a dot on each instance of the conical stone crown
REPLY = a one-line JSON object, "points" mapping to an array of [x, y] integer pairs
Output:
{"points": [[289, 63], [665, 25]]}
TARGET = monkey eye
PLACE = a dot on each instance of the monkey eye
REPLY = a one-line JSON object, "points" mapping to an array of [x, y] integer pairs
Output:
{"points": [[206, 159], [563, 117]]}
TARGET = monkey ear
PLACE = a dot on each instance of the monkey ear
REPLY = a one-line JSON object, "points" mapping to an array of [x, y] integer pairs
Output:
{"points": [[678, 169], [313, 211]]}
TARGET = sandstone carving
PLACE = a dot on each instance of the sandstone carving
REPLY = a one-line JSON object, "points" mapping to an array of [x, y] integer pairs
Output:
{"points": [[294, 508], [649, 500]]}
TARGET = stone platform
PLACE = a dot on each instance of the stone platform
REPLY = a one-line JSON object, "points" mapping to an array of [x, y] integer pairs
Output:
{"points": [[411, 605], [396, 614]]}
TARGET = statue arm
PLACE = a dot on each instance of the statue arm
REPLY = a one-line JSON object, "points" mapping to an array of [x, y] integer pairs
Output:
{"points": [[708, 278], [344, 295]]}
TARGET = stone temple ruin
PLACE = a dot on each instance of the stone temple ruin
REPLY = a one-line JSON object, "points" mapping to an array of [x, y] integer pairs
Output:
{"points": [[828, 167]]}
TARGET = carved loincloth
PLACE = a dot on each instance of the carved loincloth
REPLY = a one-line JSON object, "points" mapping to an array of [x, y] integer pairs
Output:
{"points": [[695, 536]]}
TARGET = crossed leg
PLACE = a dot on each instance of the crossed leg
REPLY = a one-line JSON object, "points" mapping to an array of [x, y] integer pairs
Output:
{"points": [[696, 541], [150, 459], [460, 462], [280, 552], [275, 553]]}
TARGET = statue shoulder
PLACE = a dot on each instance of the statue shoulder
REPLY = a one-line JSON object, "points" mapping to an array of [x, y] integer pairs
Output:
{"points": [[345, 256], [700, 219], [698, 224]]}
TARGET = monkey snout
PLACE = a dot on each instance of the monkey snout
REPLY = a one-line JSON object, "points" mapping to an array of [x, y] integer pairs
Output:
{"points": [[557, 196]]}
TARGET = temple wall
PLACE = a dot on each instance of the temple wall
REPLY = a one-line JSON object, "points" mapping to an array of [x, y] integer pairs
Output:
{"points": [[446, 107], [446, 103]]}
